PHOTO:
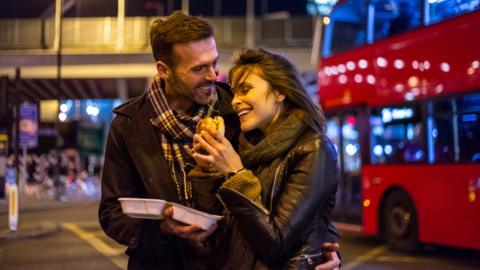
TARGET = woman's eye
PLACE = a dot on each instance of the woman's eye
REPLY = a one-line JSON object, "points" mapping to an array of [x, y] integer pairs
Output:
{"points": [[244, 89]]}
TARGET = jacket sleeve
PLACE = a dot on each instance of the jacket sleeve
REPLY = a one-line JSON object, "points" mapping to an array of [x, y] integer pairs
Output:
{"points": [[205, 183], [120, 179], [309, 184]]}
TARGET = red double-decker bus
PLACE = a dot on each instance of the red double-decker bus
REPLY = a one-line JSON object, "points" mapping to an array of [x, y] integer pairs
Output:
{"points": [[400, 85]]}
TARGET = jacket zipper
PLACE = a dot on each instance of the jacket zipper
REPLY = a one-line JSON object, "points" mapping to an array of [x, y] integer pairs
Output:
{"points": [[308, 257], [275, 178]]}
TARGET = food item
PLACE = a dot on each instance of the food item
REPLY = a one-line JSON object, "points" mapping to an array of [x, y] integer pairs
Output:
{"points": [[209, 123]]}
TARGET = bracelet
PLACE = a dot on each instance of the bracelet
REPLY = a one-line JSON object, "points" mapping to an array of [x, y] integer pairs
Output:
{"points": [[231, 174]]}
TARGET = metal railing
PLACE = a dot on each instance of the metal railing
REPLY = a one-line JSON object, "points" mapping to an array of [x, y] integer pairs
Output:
{"points": [[100, 34]]}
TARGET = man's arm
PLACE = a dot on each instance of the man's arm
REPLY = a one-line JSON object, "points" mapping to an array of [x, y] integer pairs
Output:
{"points": [[119, 179], [170, 226]]}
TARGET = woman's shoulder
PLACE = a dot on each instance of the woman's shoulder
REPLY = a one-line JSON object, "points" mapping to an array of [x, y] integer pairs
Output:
{"points": [[312, 141]]}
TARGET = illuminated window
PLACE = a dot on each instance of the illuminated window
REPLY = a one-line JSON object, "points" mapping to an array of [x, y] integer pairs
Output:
{"points": [[396, 136], [439, 10]]}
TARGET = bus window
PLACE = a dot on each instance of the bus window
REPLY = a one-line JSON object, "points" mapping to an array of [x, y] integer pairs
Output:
{"points": [[347, 28], [441, 131], [439, 10], [350, 141], [454, 129], [351, 146], [396, 136], [396, 17], [333, 131], [468, 107]]}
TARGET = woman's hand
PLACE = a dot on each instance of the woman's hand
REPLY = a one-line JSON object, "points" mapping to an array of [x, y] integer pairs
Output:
{"points": [[219, 152], [196, 147], [331, 256]]}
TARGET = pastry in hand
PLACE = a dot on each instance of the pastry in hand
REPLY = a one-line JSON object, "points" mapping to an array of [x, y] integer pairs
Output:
{"points": [[211, 123]]}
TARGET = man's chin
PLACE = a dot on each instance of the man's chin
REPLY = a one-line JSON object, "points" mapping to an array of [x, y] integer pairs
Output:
{"points": [[203, 100]]}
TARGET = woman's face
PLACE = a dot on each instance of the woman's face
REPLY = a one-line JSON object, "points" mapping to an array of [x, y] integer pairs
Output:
{"points": [[255, 103]]}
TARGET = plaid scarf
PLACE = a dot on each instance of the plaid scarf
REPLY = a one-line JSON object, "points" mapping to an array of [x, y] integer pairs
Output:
{"points": [[176, 131]]}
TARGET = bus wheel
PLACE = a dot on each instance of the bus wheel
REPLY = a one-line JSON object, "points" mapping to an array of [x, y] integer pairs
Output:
{"points": [[400, 221]]}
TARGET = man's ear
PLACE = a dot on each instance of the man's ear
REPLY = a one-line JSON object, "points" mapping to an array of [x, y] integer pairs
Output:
{"points": [[163, 70]]}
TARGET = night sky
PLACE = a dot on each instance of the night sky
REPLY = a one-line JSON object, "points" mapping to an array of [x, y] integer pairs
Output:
{"points": [[102, 8]]}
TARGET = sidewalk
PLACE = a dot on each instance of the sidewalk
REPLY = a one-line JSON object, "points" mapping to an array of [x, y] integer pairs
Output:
{"points": [[28, 204]]}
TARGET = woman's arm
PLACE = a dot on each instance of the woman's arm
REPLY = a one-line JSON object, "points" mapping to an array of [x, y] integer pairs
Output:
{"points": [[205, 184]]}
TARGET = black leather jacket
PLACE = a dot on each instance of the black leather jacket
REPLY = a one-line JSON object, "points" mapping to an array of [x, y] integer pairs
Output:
{"points": [[288, 232]]}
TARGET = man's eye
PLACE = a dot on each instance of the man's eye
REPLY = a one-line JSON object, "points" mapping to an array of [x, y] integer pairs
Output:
{"points": [[197, 69]]}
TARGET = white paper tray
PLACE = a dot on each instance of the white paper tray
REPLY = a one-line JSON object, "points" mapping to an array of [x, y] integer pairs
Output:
{"points": [[191, 216], [143, 208]]}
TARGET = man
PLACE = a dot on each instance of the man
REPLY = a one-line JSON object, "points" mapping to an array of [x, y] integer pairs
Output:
{"points": [[144, 155]]}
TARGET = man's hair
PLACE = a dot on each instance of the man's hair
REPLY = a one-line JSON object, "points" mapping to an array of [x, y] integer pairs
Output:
{"points": [[176, 28], [281, 75]]}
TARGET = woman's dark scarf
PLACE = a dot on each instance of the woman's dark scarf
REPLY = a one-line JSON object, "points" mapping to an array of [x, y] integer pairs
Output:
{"points": [[289, 127]]}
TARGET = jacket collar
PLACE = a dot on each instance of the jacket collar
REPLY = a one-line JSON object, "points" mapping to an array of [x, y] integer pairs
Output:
{"points": [[143, 142]]}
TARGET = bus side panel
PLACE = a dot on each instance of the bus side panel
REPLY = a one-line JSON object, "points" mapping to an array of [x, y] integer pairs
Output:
{"points": [[371, 197], [446, 198]]}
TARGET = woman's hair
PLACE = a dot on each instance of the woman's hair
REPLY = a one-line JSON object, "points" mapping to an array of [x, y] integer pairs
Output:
{"points": [[174, 29], [283, 77]]}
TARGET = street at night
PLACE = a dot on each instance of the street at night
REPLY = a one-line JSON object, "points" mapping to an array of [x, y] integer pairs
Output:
{"points": [[81, 244], [283, 116]]}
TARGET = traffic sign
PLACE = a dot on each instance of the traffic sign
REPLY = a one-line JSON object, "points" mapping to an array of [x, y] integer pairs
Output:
{"points": [[28, 134]]}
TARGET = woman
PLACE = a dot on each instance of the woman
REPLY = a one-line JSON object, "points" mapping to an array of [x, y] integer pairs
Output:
{"points": [[279, 189]]}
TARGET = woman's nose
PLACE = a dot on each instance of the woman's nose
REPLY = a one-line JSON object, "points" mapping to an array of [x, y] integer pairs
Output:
{"points": [[235, 101]]}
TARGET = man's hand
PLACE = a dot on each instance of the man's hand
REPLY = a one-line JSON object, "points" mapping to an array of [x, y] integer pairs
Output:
{"points": [[330, 254], [173, 227]]}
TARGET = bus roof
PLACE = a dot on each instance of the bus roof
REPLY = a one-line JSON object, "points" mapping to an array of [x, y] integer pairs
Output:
{"points": [[439, 59]]}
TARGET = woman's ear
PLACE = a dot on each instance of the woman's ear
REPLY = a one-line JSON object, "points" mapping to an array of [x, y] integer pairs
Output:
{"points": [[279, 97], [163, 70]]}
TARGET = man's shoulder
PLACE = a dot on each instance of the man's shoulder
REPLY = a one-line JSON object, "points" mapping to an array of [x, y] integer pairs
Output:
{"points": [[131, 107], [225, 96], [223, 88]]}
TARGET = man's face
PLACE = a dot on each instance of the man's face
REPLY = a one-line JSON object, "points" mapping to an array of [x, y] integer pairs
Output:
{"points": [[192, 80]]}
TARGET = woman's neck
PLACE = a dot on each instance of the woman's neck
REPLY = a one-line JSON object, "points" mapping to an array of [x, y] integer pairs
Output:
{"points": [[278, 114]]}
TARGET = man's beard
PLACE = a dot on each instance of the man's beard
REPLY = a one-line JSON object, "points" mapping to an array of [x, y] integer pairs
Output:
{"points": [[185, 91]]}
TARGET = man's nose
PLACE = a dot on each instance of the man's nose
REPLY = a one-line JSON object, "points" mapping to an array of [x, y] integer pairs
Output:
{"points": [[212, 74]]}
